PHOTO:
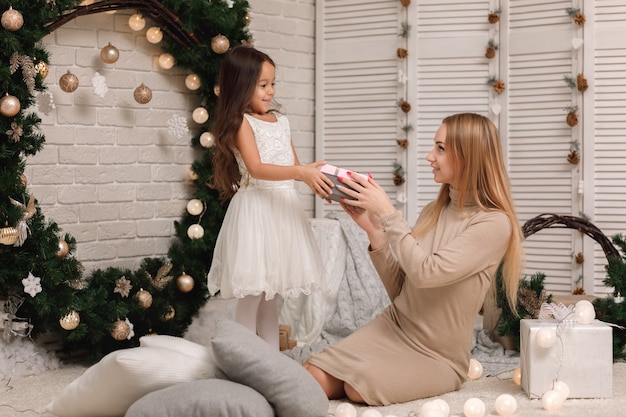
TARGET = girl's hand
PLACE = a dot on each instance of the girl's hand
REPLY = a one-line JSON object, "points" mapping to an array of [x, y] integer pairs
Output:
{"points": [[319, 183]]}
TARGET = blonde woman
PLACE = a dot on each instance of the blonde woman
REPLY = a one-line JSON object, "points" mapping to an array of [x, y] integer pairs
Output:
{"points": [[437, 273]]}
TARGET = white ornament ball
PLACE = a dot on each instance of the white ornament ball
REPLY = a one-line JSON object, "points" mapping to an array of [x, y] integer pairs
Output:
{"points": [[154, 35], [552, 400], [431, 409], [136, 22], [195, 231], [584, 312], [546, 337], [200, 115], [192, 81], [506, 405], [166, 61], [345, 410], [517, 376], [475, 370], [195, 207], [371, 413], [443, 405], [474, 407], [12, 20], [562, 388], [207, 139]]}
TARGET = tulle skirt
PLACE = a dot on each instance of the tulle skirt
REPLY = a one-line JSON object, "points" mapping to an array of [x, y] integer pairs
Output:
{"points": [[266, 245]]}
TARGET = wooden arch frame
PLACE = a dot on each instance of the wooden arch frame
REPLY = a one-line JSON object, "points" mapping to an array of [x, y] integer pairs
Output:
{"points": [[166, 19]]}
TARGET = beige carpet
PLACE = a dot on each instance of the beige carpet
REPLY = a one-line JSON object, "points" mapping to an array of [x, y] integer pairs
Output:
{"points": [[27, 396]]}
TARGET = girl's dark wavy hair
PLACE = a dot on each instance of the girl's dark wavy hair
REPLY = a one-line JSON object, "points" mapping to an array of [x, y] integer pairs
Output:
{"points": [[239, 73]]}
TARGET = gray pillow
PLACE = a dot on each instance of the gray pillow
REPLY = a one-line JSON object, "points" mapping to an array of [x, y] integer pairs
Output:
{"points": [[202, 398], [249, 360]]}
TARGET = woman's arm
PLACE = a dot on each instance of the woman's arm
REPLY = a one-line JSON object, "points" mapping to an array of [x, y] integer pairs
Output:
{"points": [[482, 244]]}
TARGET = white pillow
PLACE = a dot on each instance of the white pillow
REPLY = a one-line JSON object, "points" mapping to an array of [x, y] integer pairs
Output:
{"points": [[111, 386]]}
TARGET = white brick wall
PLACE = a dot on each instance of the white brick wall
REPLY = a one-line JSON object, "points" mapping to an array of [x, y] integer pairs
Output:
{"points": [[109, 173]]}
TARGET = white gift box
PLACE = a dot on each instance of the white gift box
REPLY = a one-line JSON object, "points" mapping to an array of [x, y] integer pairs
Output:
{"points": [[579, 355]]}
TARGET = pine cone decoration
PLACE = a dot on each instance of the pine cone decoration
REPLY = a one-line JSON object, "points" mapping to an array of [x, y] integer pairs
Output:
{"points": [[493, 18], [573, 157], [490, 53], [398, 180], [581, 83], [498, 86], [403, 143], [579, 258], [402, 53], [578, 291], [405, 106], [572, 119], [579, 19]]}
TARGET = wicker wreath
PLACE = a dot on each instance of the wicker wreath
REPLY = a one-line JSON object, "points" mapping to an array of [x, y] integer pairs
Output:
{"points": [[548, 220]]}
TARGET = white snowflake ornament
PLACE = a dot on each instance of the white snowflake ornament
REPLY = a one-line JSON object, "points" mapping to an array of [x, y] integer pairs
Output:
{"points": [[177, 126], [131, 333], [45, 102], [32, 285], [99, 84]]}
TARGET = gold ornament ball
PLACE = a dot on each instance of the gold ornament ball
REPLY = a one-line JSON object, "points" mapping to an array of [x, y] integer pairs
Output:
{"points": [[120, 330], [143, 94], [64, 249], [144, 298], [9, 105], [68, 82], [12, 20], [220, 44], [169, 315], [8, 236], [42, 69], [70, 321], [109, 54], [185, 283]]}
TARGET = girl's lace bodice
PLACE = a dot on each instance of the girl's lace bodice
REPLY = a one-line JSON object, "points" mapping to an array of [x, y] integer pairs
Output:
{"points": [[273, 139]]}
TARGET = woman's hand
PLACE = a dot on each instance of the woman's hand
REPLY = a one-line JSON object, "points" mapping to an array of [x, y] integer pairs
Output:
{"points": [[368, 195]]}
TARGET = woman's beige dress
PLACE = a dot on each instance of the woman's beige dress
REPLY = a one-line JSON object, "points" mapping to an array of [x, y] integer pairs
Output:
{"points": [[420, 345]]}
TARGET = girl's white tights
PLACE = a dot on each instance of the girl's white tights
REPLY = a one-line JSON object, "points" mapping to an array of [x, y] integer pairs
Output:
{"points": [[260, 316]]}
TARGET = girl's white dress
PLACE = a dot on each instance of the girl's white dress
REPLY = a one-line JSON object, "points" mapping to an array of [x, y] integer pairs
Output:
{"points": [[266, 244]]}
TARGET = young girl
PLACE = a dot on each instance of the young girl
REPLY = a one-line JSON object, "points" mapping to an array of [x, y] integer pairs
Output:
{"points": [[265, 246], [437, 273]]}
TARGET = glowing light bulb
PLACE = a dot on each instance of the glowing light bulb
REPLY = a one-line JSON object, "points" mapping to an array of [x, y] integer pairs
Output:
{"points": [[192, 81], [506, 405], [195, 207], [136, 22], [475, 369], [552, 400], [166, 61], [200, 115], [154, 35], [474, 407], [517, 376], [345, 410], [207, 139]]}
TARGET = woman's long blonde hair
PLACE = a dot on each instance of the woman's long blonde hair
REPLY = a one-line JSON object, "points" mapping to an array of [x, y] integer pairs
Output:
{"points": [[474, 147]]}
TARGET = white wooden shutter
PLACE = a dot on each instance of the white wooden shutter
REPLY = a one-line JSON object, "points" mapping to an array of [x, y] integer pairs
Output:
{"points": [[451, 75], [606, 190], [540, 56], [357, 87]]}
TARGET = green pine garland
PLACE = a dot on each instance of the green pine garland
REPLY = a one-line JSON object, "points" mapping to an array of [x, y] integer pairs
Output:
{"points": [[63, 288]]}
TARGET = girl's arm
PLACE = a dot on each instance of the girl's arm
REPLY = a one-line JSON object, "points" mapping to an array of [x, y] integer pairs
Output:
{"points": [[309, 174]]}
